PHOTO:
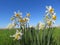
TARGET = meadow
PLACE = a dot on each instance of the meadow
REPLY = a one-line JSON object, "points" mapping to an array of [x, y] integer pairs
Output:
{"points": [[30, 37]]}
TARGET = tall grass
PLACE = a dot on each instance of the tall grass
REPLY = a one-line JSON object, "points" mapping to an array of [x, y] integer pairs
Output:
{"points": [[31, 37]]}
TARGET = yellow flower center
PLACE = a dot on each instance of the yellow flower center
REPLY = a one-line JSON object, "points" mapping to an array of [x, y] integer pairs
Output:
{"points": [[28, 14], [21, 20], [51, 10], [54, 17], [17, 15]]}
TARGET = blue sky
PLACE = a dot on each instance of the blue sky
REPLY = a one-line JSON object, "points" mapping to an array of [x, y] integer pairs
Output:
{"points": [[35, 7]]}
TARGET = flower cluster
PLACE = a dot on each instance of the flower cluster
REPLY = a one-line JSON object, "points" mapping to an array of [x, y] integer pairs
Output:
{"points": [[50, 16], [19, 20]]}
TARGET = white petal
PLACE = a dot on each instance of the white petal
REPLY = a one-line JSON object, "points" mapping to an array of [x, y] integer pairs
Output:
{"points": [[53, 21], [12, 35], [21, 33], [17, 31], [54, 14], [50, 7], [20, 13], [47, 14], [46, 11], [14, 13]]}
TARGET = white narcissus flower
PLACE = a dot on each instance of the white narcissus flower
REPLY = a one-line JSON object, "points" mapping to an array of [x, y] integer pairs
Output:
{"points": [[18, 14], [17, 35], [40, 25], [15, 13], [49, 9], [10, 26], [49, 23], [28, 14]]}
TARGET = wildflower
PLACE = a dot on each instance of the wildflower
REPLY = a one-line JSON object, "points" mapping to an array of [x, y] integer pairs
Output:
{"points": [[40, 25], [49, 23], [49, 9], [17, 35], [28, 15], [18, 14]]}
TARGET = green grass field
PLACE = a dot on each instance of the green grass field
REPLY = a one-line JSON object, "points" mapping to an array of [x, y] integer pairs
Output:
{"points": [[5, 38]]}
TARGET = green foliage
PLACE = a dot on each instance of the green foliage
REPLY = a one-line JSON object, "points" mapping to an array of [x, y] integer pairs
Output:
{"points": [[31, 37]]}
